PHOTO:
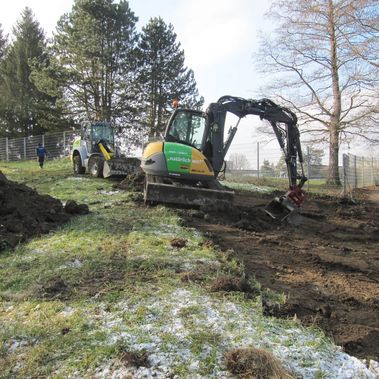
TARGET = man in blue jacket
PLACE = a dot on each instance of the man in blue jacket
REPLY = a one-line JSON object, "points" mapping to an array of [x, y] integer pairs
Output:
{"points": [[41, 153]]}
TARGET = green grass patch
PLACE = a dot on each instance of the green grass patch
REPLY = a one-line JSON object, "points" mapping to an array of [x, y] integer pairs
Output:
{"points": [[77, 301]]}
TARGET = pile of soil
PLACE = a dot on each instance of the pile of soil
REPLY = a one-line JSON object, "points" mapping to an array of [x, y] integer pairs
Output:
{"points": [[326, 261], [132, 182], [24, 213]]}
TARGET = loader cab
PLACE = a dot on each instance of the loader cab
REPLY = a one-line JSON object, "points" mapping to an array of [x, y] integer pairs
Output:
{"points": [[188, 127], [94, 132]]}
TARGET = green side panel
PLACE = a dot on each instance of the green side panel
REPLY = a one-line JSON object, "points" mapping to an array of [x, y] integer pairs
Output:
{"points": [[178, 157]]}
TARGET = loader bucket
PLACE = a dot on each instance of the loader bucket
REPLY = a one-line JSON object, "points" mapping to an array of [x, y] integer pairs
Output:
{"points": [[121, 167], [280, 208]]}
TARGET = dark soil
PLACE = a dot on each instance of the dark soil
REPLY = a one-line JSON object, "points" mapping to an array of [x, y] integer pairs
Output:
{"points": [[326, 261], [24, 213]]}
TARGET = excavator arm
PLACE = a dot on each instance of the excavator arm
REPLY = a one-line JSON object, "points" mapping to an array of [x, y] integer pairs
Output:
{"points": [[283, 122]]}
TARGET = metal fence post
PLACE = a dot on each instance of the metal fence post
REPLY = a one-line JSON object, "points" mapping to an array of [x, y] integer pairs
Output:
{"points": [[6, 149], [344, 168], [372, 172], [355, 172], [363, 172], [24, 147], [258, 160]]}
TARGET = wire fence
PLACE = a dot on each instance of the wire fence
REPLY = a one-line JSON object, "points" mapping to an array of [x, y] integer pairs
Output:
{"points": [[359, 172], [57, 144], [258, 161], [262, 164]]}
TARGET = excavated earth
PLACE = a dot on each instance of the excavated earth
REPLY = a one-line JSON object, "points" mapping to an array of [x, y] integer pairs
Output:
{"points": [[326, 261], [24, 213]]}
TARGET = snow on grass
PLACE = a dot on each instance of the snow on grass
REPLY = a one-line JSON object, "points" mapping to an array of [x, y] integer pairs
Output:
{"points": [[184, 329]]}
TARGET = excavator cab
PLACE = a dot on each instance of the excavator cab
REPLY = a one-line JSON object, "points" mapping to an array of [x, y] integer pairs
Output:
{"points": [[187, 127]]}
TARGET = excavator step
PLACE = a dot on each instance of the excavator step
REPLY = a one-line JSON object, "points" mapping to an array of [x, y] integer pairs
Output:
{"points": [[184, 194]]}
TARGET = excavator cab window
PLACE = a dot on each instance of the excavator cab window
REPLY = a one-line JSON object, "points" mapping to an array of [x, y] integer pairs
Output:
{"points": [[187, 127]]}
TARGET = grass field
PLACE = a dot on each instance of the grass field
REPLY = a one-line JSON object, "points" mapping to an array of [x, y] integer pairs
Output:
{"points": [[110, 295]]}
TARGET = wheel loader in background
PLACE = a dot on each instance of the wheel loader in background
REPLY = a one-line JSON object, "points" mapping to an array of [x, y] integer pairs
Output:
{"points": [[95, 151], [183, 168]]}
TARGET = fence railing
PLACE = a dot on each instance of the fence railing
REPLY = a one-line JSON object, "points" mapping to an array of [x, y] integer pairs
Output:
{"points": [[57, 144]]}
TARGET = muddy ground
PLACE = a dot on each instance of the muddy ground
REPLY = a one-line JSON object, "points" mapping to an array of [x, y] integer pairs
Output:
{"points": [[24, 213], [328, 266]]}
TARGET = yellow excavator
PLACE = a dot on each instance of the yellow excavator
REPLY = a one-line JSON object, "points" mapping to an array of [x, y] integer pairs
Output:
{"points": [[183, 168]]}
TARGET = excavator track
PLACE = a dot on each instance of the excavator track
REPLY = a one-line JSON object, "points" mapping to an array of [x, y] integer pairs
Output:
{"points": [[165, 190]]}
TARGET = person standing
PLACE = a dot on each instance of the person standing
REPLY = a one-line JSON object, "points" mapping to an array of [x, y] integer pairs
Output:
{"points": [[41, 153]]}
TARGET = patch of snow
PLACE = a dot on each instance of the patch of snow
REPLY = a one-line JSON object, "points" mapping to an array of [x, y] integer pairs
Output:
{"points": [[79, 178], [110, 193], [68, 311], [234, 325], [71, 264]]}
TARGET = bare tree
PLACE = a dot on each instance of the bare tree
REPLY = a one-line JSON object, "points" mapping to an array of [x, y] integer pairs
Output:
{"points": [[322, 55], [238, 161]]}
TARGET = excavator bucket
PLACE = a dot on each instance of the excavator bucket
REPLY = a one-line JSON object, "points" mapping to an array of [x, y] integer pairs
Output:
{"points": [[281, 207], [120, 166]]}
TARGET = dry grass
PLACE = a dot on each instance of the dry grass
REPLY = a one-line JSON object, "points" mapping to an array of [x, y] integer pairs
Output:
{"points": [[251, 363]]}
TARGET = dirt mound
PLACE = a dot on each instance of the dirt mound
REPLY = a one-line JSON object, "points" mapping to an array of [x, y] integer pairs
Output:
{"points": [[132, 182], [252, 363], [24, 213], [325, 260]]}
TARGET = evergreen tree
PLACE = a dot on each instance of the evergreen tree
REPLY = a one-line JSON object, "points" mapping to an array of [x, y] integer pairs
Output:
{"points": [[162, 75], [3, 46], [27, 110], [93, 48]]}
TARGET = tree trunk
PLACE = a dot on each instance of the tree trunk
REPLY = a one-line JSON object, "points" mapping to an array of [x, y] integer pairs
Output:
{"points": [[335, 116], [333, 175]]}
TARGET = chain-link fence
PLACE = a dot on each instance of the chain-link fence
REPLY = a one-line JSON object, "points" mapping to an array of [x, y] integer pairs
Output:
{"points": [[57, 144], [265, 165], [359, 172]]}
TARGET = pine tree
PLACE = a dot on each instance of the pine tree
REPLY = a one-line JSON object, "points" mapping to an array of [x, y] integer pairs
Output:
{"points": [[162, 75], [93, 49], [3, 47], [27, 110]]}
